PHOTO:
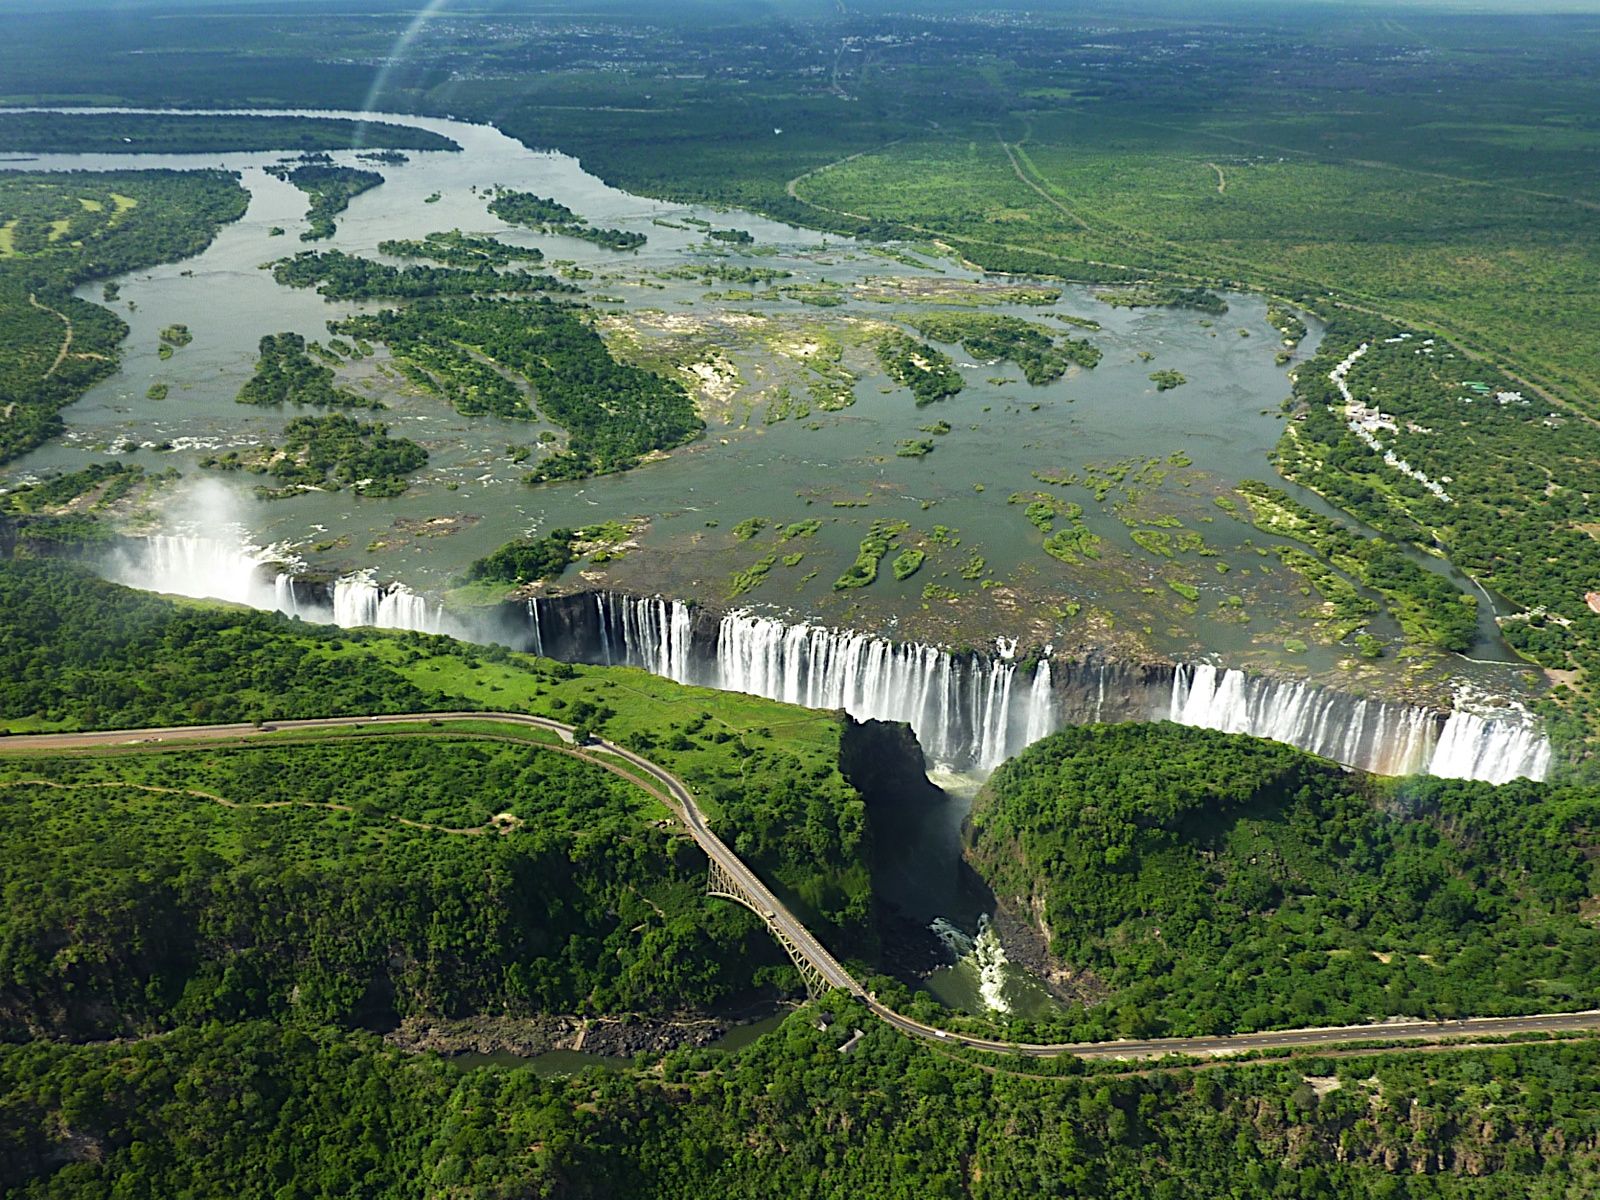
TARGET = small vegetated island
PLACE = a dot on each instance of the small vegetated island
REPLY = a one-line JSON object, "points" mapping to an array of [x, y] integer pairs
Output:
{"points": [[550, 216], [453, 248], [327, 454], [340, 276], [529, 560], [1043, 354], [287, 374], [331, 189], [928, 372]]}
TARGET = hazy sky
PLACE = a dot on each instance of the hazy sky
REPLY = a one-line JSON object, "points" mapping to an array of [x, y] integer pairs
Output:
{"points": [[1203, 9]]}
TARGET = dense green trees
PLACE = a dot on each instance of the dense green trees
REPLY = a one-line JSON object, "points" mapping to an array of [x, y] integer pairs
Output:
{"points": [[112, 481], [331, 189], [613, 413], [328, 453], [186, 133], [258, 1109], [456, 249], [1524, 485], [1201, 882], [154, 904], [1431, 610], [335, 451], [929, 373], [61, 230], [1163, 296], [528, 560], [537, 212], [78, 651], [340, 276], [285, 372]]}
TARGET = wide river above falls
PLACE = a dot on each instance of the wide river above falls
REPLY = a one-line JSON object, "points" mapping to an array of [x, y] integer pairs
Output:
{"points": [[1170, 453]]}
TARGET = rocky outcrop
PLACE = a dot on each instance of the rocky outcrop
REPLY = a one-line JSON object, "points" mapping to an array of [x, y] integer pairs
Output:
{"points": [[529, 1037]]}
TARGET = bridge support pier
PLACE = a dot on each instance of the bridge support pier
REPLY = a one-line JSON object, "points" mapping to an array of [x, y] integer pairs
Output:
{"points": [[720, 883]]}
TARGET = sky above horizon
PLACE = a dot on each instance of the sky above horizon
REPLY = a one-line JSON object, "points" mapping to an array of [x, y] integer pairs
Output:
{"points": [[1206, 11]]}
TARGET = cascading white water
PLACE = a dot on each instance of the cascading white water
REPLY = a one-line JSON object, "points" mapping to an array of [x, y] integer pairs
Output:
{"points": [[223, 569], [203, 567], [283, 597], [983, 955], [979, 711], [358, 600], [1497, 747], [537, 646], [1391, 739], [1041, 703], [967, 711], [964, 710]]}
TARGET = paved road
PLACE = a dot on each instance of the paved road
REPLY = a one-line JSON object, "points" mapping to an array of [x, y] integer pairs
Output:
{"points": [[671, 789]]}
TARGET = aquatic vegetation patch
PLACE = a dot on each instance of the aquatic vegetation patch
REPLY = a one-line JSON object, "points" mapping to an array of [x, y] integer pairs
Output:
{"points": [[1072, 544], [928, 372], [752, 576], [878, 542], [1043, 355], [907, 563]]}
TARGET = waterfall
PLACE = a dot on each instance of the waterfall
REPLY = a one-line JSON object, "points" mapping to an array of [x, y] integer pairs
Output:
{"points": [[359, 600], [1041, 702], [202, 567], [1392, 739], [283, 597], [537, 646], [969, 710], [965, 709], [974, 711], [1497, 745]]}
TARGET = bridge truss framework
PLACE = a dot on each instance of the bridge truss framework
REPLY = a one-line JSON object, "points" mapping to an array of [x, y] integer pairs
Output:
{"points": [[720, 883]]}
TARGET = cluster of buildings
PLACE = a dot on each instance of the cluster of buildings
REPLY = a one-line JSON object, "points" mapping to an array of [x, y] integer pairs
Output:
{"points": [[1365, 421]]}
